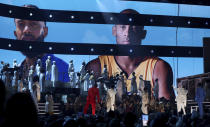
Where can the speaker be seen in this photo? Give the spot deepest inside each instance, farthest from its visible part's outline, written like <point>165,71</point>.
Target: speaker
<point>206,54</point>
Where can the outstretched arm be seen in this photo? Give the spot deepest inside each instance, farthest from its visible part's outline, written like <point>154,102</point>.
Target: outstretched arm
<point>164,74</point>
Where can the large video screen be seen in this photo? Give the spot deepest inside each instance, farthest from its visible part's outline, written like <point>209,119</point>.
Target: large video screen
<point>110,34</point>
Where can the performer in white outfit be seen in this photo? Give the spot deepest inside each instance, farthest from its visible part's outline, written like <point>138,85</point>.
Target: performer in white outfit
<point>30,78</point>
<point>82,69</point>
<point>38,68</point>
<point>39,62</point>
<point>15,64</point>
<point>72,74</point>
<point>82,74</point>
<point>48,67</point>
<point>71,66</point>
<point>42,80</point>
<point>110,98</point>
<point>73,79</point>
<point>121,89</point>
<point>78,81</point>
<point>86,81</point>
<point>92,80</point>
<point>181,99</point>
<point>15,81</point>
<point>49,104</point>
<point>54,74</point>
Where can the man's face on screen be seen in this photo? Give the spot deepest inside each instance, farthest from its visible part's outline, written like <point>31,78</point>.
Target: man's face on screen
<point>30,30</point>
<point>128,34</point>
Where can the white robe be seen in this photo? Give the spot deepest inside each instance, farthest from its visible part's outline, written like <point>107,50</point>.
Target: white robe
<point>15,64</point>
<point>15,80</point>
<point>86,82</point>
<point>38,69</point>
<point>72,76</point>
<point>82,70</point>
<point>181,99</point>
<point>110,99</point>
<point>71,68</point>
<point>42,81</point>
<point>48,68</point>
<point>30,80</point>
<point>49,104</point>
<point>54,74</point>
<point>78,82</point>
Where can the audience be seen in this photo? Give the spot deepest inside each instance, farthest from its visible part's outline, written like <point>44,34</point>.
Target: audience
<point>21,111</point>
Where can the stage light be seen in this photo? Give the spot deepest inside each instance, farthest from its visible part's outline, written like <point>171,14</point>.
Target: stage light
<point>91,17</point>
<point>130,50</point>
<point>152,51</point>
<point>172,52</point>
<point>31,14</point>
<point>72,17</point>
<point>130,19</point>
<point>72,49</point>
<point>207,23</point>
<point>151,20</point>
<point>111,18</point>
<point>50,16</point>
<point>171,21</point>
<point>92,49</point>
<point>111,50</point>
<point>50,48</point>
<point>9,45</point>
<point>30,47</point>
<point>10,11</point>
<point>188,22</point>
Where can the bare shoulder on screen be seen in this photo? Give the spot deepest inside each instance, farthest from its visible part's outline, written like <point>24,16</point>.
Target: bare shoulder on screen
<point>95,66</point>
<point>164,74</point>
<point>162,66</point>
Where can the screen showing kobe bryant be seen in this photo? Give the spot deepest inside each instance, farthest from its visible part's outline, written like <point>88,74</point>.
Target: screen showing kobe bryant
<point>84,71</point>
